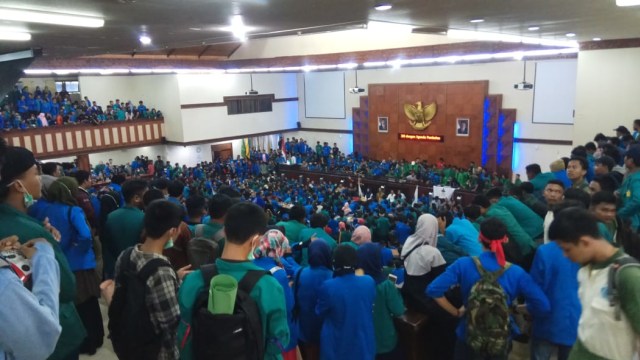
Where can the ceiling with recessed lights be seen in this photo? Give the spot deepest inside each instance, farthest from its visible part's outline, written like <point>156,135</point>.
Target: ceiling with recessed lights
<point>175,24</point>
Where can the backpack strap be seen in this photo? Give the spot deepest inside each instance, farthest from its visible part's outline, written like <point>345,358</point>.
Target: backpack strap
<point>151,267</point>
<point>250,280</point>
<point>274,269</point>
<point>403,258</point>
<point>208,271</point>
<point>483,272</point>
<point>199,230</point>
<point>613,281</point>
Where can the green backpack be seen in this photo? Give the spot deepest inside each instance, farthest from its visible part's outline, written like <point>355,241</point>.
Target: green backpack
<point>488,314</point>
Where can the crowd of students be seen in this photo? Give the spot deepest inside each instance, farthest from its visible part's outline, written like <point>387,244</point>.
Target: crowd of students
<point>23,110</point>
<point>323,268</point>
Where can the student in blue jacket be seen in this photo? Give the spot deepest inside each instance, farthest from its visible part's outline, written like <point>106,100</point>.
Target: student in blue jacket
<point>558,278</point>
<point>76,242</point>
<point>345,303</point>
<point>515,282</point>
<point>306,284</point>
<point>268,255</point>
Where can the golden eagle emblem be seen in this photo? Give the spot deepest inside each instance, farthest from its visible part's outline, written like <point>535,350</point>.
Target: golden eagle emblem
<point>420,117</point>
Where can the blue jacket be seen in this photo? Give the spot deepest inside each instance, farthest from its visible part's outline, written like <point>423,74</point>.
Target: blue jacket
<point>558,278</point>
<point>402,232</point>
<point>463,234</point>
<point>562,176</point>
<point>279,274</point>
<point>515,282</point>
<point>76,241</point>
<point>309,324</point>
<point>345,303</point>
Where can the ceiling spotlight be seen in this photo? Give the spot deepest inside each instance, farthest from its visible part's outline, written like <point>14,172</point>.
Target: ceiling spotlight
<point>597,39</point>
<point>627,2</point>
<point>238,28</point>
<point>533,28</point>
<point>145,40</point>
<point>383,6</point>
<point>47,17</point>
<point>476,20</point>
<point>571,34</point>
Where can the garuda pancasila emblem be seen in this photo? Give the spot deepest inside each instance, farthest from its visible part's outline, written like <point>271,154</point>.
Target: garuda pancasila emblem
<point>420,117</point>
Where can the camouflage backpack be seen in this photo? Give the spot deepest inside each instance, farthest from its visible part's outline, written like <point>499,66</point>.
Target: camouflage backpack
<point>488,314</point>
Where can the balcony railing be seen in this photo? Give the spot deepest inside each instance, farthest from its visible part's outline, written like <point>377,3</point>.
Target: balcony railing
<point>70,140</point>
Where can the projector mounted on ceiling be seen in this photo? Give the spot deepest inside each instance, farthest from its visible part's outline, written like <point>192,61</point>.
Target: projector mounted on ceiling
<point>251,92</point>
<point>356,89</point>
<point>524,85</point>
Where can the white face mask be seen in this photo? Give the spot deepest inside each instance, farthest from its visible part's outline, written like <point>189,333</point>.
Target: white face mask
<point>27,197</point>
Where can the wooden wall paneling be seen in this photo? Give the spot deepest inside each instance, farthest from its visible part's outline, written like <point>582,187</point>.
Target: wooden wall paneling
<point>123,135</point>
<point>493,110</point>
<point>59,142</point>
<point>97,138</point>
<point>106,138</point>
<point>27,143</point>
<point>39,145</point>
<point>132,133</point>
<point>140,134</point>
<point>156,132</point>
<point>505,153</point>
<point>87,138</point>
<point>115,135</point>
<point>79,142</point>
<point>148,132</point>
<point>68,140</point>
<point>453,99</point>
<point>50,145</point>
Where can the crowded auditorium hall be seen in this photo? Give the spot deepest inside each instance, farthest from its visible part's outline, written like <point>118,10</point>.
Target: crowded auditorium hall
<point>319,180</point>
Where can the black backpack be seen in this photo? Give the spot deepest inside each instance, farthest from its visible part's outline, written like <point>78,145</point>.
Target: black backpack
<point>131,330</point>
<point>229,337</point>
<point>109,200</point>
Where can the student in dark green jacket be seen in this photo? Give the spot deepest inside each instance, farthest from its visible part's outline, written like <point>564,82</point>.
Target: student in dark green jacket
<point>388,303</point>
<point>629,192</point>
<point>123,228</point>
<point>530,222</point>
<point>538,179</point>
<point>520,248</point>
<point>19,187</point>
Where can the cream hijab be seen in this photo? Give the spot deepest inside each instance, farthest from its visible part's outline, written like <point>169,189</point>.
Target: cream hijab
<point>425,239</point>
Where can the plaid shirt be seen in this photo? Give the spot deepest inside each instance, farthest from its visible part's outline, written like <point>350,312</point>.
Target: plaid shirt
<point>162,301</point>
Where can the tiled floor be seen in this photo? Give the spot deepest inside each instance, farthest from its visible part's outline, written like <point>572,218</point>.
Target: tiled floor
<point>519,352</point>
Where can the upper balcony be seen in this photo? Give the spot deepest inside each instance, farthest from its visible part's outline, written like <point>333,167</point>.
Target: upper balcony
<point>71,140</point>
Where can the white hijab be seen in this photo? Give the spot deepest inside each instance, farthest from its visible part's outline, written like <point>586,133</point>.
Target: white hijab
<point>426,256</point>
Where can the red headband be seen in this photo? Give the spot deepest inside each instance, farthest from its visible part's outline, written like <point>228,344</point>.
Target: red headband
<point>495,245</point>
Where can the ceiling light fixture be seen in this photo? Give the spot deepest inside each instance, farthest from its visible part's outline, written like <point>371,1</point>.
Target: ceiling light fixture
<point>383,7</point>
<point>145,40</point>
<point>14,36</point>
<point>389,27</point>
<point>476,20</point>
<point>488,36</point>
<point>533,28</point>
<point>597,39</point>
<point>54,18</point>
<point>571,34</point>
<point>238,28</point>
<point>627,2</point>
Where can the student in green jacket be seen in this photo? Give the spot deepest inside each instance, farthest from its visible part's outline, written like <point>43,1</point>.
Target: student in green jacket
<point>123,228</point>
<point>244,224</point>
<point>388,303</point>
<point>214,228</point>
<point>629,192</point>
<point>520,248</point>
<point>538,178</point>
<point>19,187</point>
<point>530,222</point>
<point>294,226</point>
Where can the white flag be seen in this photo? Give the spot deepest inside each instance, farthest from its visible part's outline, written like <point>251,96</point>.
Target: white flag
<point>360,194</point>
<point>415,196</point>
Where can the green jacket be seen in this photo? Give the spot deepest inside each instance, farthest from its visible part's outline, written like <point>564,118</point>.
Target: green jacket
<point>530,222</point>
<point>541,180</point>
<point>123,230</point>
<point>292,229</point>
<point>630,196</point>
<point>209,231</point>
<point>267,293</point>
<point>14,222</point>
<point>515,231</point>
<point>388,305</point>
<point>306,234</point>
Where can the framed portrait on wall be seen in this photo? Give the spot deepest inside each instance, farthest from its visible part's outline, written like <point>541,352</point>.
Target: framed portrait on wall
<point>462,127</point>
<point>383,124</point>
